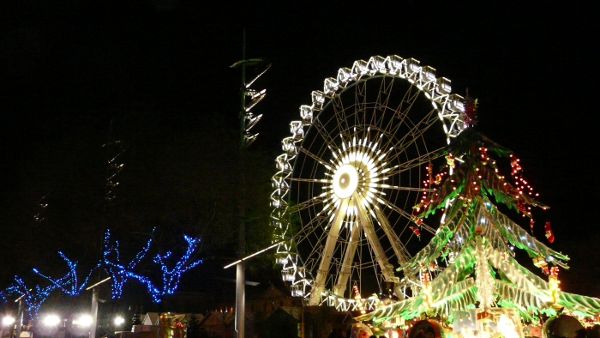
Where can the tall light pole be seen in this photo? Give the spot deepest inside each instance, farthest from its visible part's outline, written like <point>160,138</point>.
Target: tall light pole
<point>19,319</point>
<point>94,311</point>
<point>94,306</point>
<point>248,99</point>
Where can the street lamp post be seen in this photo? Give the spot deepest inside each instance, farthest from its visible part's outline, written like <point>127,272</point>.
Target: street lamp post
<point>19,321</point>
<point>94,313</point>
<point>94,307</point>
<point>240,306</point>
<point>248,99</point>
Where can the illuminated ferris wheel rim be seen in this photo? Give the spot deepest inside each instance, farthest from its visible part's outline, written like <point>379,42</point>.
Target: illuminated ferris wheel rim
<point>344,182</point>
<point>437,90</point>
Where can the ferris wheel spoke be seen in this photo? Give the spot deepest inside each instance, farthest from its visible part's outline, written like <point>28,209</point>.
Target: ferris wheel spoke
<point>385,90</point>
<point>322,131</point>
<point>360,103</point>
<point>419,129</point>
<point>428,228</point>
<point>399,188</point>
<point>401,112</point>
<point>312,235</point>
<point>381,102</point>
<point>405,214</point>
<point>304,234</point>
<point>310,180</point>
<point>416,162</point>
<point>416,131</point>
<point>338,110</point>
<point>408,99</point>
<point>306,204</point>
<point>327,255</point>
<point>345,270</point>
<point>314,157</point>
<point>316,247</point>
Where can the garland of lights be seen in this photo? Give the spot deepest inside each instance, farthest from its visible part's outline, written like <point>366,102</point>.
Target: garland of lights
<point>477,174</point>
<point>467,192</point>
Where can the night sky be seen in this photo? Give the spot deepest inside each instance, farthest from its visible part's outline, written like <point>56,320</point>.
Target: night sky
<point>156,75</point>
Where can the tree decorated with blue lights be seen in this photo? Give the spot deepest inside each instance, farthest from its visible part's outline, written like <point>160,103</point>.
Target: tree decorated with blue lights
<point>33,297</point>
<point>171,271</point>
<point>121,273</point>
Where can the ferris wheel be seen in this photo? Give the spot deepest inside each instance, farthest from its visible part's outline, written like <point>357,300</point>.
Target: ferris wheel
<point>351,170</point>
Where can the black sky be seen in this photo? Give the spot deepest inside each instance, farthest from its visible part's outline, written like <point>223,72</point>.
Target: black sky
<point>161,68</point>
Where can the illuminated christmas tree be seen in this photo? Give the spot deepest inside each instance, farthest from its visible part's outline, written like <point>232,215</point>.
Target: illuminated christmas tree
<point>470,263</point>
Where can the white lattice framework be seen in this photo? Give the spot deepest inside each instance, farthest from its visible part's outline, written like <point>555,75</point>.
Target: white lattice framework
<point>358,153</point>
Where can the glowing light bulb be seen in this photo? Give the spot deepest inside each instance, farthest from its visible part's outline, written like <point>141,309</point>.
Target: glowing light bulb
<point>8,320</point>
<point>118,320</point>
<point>51,320</point>
<point>84,320</point>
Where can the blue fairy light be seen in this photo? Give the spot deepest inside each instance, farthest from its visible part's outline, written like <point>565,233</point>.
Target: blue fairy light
<point>34,297</point>
<point>69,283</point>
<point>119,272</point>
<point>172,276</point>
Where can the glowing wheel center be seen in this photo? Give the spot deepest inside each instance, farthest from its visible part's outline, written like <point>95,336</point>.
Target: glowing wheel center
<point>345,181</point>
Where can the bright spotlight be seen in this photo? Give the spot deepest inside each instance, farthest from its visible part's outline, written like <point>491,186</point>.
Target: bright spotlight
<point>8,320</point>
<point>83,320</point>
<point>119,320</point>
<point>51,320</point>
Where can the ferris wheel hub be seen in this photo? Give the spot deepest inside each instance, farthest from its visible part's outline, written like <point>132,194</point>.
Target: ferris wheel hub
<point>345,181</point>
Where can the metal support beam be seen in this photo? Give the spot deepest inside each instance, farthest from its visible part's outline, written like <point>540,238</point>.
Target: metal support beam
<point>94,313</point>
<point>19,322</point>
<point>240,300</point>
